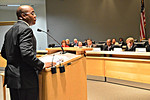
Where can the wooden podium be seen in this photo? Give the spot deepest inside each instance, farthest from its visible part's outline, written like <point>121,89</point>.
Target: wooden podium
<point>2,61</point>
<point>69,85</point>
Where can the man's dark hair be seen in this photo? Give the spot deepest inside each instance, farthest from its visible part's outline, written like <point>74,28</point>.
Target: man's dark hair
<point>89,39</point>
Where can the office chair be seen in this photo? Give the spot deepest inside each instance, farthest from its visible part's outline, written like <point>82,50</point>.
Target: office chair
<point>51,45</point>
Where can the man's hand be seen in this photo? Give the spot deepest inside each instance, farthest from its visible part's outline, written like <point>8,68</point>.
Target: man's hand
<point>49,64</point>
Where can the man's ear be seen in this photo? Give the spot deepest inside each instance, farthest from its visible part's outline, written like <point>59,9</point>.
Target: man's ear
<point>23,16</point>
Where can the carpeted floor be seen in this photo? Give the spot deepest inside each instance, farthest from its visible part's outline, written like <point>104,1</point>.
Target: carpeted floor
<point>97,90</point>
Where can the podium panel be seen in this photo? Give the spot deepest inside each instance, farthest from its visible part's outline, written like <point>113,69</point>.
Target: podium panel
<point>95,66</point>
<point>137,71</point>
<point>69,85</point>
<point>2,61</point>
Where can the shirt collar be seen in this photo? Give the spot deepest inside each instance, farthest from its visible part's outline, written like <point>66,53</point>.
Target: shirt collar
<point>24,22</point>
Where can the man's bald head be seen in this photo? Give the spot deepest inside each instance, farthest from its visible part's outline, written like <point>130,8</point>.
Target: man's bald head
<point>22,9</point>
<point>108,42</point>
<point>27,14</point>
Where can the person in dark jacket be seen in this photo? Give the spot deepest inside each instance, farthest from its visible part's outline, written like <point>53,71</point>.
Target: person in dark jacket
<point>89,43</point>
<point>121,41</point>
<point>75,42</point>
<point>19,49</point>
<point>108,47</point>
<point>148,46</point>
<point>68,42</point>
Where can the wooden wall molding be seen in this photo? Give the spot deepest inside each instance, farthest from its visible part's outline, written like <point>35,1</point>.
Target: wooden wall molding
<point>4,23</point>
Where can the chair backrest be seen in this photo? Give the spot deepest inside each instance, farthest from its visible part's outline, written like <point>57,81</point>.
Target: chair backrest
<point>140,44</point>
<point>117,46</point>
<point>51,45</point>
<point>100,46</point>
<point>102,42</point>
<point>93,42</point>
<point>83,44</point>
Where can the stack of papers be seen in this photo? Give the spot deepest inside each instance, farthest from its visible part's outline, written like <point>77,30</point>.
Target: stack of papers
<point>58,58</point>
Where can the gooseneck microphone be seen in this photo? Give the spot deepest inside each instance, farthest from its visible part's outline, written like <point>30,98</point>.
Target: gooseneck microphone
<point>39,30</point>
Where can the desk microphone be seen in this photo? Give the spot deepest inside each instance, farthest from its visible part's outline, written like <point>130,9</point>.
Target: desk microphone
<point>39,30</point>
<point>53,68</point>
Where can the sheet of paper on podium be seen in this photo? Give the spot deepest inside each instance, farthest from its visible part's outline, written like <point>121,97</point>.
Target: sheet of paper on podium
<point>58,57</point>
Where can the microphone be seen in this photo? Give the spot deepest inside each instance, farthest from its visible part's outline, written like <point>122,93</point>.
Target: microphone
<point>39,30</point>
<point>53,68</point>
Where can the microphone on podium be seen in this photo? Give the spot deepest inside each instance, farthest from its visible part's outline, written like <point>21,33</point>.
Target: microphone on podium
<point>39,30</point>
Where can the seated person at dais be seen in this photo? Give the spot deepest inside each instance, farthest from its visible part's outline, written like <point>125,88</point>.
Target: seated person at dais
<point>114,42</point>
<point>68,42</point>
<point>148,46</point>
<point>121,41</point>
<point>89,43</point>
<point>80,44</point>
<point>75,42</point>
<point>130,44</point>
<point>63,44</point>
<point>108,47</point>
<point>84,43</point>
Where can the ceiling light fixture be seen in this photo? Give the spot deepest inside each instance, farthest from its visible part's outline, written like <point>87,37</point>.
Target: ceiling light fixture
<point>13,5</point>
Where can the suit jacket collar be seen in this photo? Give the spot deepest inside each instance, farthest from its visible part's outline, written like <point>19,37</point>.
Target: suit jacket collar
<point>24,22</point>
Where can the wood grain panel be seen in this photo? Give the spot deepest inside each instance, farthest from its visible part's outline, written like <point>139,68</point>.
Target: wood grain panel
<point>76,50</point>
<point>131,71</point>
<point>95,66</point>
<point>2,61</point>
<point>70,85</point>
<point>4,23</point>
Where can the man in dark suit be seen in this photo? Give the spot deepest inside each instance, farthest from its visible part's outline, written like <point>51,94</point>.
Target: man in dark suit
<point>148,46</point>
<point>85,43</point>
<point>108,47</point>
<point>19,49</point>
<point>89,43</point>
<point>121,41</point>
<point>75,42</point>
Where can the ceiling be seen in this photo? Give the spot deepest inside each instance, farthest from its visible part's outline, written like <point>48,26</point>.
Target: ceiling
<point>14,2</point>
<point>4,3</point>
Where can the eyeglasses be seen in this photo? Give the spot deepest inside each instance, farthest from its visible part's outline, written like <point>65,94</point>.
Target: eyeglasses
<point>32,13</point>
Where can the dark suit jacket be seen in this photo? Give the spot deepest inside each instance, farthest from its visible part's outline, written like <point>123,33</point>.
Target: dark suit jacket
<point>19,49</point>
<point>105,48</point>
<point>90,46</point>
<point>147,48</point>
<point>122,42</point>
<point>75,44</point>
<point>69,44</point>
<point>132,48</point>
